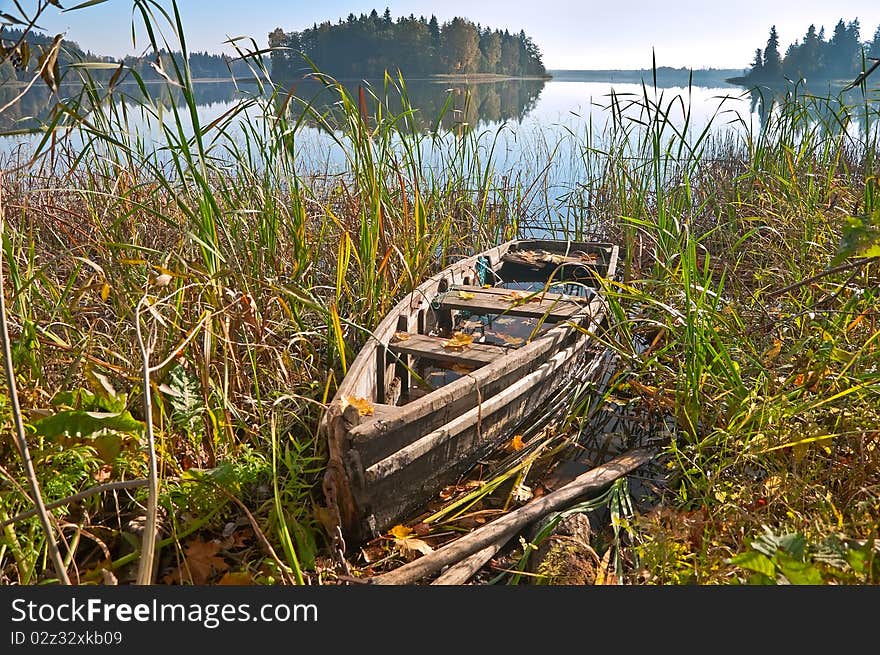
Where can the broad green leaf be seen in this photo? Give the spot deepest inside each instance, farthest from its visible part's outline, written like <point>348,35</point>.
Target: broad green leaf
<point>857,558</point>
<point>796,571</point>
<point>79,424</point>
<point>792,543</point>
<point>86,400</point>
<point>755,561</point>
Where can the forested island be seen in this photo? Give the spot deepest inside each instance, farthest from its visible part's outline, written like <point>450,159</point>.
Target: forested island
<point>814,57</point>
<point>366,46</point>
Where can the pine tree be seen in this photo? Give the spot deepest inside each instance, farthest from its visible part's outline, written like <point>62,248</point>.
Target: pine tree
<point>772,61</point>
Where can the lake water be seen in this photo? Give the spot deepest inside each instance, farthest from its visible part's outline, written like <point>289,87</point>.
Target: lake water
<point>523,110</point>
<point>534,128</point>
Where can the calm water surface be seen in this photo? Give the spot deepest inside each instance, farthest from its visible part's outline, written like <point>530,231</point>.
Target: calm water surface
<point>537,131</point>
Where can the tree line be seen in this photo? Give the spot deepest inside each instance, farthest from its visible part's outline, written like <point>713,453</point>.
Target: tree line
<point>21,67</point>
<point>366,46</point>
<point>815,56</point>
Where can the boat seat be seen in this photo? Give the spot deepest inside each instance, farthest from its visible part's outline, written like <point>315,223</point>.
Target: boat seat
<point>420,345</point>
<point>552,307</point>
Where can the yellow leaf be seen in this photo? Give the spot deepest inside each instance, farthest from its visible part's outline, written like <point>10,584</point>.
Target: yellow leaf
<point>516,444</point>
<point>773,351</point>
<point>466,295</point>
<point>515,297</point>
<point>105,292</point>
<point>511,340</point>
<point>487,286</point>
<point>363,406</point>
<point>400,531</point>
<point>460,368</point>
<point>401,336</point>
<point>237,578</point>
<point>459,340</point>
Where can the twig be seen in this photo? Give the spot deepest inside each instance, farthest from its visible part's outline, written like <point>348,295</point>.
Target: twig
<point>148,542</point>
<point>818,276</point>
<point>23,451</point>
<point>501,530</point>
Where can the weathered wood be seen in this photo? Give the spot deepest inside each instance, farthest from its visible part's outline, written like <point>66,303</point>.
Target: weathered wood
<point>420,345</point>
<point>462,571</point>
<point>502,529</point>
<point>551,311</point>
<point>517,392</point>
<point>353,448</point>
<point>377,439</point>
<point>537,258</point>
<point>566,557</point>
<point>502,292</point>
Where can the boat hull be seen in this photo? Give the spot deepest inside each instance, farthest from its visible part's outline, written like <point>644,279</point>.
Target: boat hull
<point>385,465</point>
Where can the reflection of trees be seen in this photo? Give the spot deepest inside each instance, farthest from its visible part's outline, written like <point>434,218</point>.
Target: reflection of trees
<point>820,109</point>
<point>470,105</point>
<point>34,107</point>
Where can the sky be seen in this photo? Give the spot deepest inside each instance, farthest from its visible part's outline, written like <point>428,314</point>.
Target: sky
<point>571,34</point>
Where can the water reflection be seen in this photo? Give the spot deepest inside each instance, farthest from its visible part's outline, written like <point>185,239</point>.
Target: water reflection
<point>464,106</point>
<point>457,105</point>
<point>824,108</point>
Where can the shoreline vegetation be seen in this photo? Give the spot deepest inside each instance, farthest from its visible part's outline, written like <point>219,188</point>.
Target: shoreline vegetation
<point>178,316</point>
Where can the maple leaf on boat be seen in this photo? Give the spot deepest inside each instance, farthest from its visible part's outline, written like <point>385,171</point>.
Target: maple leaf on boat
<point>459,341</point>
<point>362,405</point>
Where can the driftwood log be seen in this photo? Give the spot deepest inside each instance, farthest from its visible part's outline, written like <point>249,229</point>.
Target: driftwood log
<point>501,530</point>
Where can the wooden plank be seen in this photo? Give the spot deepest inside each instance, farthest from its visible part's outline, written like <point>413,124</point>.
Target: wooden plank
<point>551,311</point>
<point>501,293</point>
<point>420,345</point>
<point>543,258</point>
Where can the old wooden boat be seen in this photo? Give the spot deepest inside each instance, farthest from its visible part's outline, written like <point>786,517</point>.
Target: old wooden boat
<point>451,368</point>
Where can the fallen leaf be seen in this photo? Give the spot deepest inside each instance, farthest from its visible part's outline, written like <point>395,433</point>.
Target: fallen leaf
<point>400,531</point>
<point>236,578</point>
<point>772,352</point>
<point>105,292</point>
<point>522,493</point>
<point>466,295</point>
<point>401,336</point>
<point>202,561</point>
<point>460,368</point>
<point>459,341</point>
<point>103,474</point>
<point>362,405</point>
<point>516,444</point>
<point>411,546</point>
<point>511,340</point>
<point>162,280</point>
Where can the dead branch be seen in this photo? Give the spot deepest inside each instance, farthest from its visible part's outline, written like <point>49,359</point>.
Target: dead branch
<point>501,530</point>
